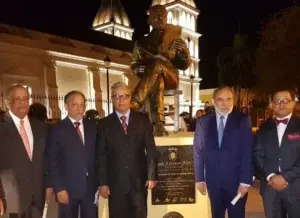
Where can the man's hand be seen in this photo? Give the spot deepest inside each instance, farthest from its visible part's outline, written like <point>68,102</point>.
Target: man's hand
<point>104,191</point>
<point>201,187</point>
<point>63,197</point>
<point>278,183</point>
<point>1,207</point>
<point>49,194</point>
<point>243,190</point>
<point>150,184</point>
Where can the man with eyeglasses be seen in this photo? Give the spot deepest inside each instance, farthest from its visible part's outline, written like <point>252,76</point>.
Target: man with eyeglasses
<point>125,157</point>
<point>71,160</point>
<point>223,156</point>
<point>277,158</point>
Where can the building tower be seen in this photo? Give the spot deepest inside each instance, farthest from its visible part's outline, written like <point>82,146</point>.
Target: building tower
<point>112,19</point>
<point>185,13</point>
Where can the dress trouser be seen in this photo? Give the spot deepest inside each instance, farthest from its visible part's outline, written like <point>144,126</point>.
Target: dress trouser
<point>128,205</point>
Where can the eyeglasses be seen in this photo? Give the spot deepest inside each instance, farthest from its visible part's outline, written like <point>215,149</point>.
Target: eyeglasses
<point>121,97</point>
<point>282,101</point>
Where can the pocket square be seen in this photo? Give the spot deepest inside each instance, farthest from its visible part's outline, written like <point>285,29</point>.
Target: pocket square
<point>294,136</point>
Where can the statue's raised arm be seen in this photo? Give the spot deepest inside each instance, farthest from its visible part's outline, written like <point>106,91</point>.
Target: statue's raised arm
<point>156,60</point>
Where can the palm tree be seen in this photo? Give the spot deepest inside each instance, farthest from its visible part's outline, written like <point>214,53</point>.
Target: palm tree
<point>235,65</point>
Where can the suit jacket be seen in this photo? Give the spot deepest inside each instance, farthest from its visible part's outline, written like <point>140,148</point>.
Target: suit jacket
<point>29,175</point>
<point>72,164</point>
<point>269,156</point>
<point>125,162</point>
<point>229,164</point>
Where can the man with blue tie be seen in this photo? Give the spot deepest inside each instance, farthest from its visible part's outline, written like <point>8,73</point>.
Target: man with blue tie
<point>223,156</point>
<point>71,160</point>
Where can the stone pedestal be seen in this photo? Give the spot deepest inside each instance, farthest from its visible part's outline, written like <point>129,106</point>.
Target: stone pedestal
<point>180,145</point>
<point>175,144</point>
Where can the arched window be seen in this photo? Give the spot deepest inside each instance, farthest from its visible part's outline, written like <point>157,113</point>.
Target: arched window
<point>122,35</point>
<point>128,36</point>
<point>182,19</point>
<point>188,21</point>
<point>117,33</point>
<point>191,47</point>
<point>170,17</point>
<point>192,69</point>
<point>193,21</point>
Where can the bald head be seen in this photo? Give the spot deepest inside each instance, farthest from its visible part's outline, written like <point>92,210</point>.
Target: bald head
<point>17,100</point>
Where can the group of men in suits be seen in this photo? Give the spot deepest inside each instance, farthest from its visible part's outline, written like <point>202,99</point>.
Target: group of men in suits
<point>76,158</point>
<point>225,150</point>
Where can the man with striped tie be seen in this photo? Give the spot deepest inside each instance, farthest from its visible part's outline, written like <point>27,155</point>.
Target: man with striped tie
<point>223,156</point>
<point>71,160</point>
<point>22,163</point>
<point>125,157</point>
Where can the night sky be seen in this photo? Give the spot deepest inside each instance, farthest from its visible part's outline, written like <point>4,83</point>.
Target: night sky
<point>218,21</point>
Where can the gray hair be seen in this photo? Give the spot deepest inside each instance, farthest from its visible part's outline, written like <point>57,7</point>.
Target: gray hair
<point>10,89</point>
<point>119,85</point>
<point>217,90</point>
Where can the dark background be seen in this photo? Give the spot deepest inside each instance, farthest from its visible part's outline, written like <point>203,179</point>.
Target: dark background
<point>218,21</point>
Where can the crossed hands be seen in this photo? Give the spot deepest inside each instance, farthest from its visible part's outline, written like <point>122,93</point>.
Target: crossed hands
<point>278,183</point>
<point>104,191</point>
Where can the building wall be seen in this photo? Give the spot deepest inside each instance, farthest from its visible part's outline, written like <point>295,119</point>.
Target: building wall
<point>49,71</point>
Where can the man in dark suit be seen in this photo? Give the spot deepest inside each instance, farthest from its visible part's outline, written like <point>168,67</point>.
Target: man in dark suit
<point>125,157</point>
<point>277,158</point>
<point>22,147</point>
<point>223,156</point>
<point>71,157</point>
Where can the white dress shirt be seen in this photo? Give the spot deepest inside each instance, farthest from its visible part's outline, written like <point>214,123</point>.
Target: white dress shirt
<point>280,132</point>
<point>127,114</point>
<point>81,127</point>
<point>27,127</point>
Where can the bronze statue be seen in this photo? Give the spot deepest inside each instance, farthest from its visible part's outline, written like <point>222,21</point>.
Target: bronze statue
<point>156,60</point>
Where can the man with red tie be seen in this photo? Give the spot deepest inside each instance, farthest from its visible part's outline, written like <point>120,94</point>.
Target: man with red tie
<point>277,158</point>
<point>71,160</point>
<point>125,157</point>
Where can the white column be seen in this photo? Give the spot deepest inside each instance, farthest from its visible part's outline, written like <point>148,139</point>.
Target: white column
<point>52,90</point>
<point>97,89</point>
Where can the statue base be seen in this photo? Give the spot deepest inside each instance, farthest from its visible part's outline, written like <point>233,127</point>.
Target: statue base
<point>175,195</point>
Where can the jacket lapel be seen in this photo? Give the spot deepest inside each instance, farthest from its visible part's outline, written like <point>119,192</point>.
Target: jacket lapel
<point>117,123</point>
<point>213,134</point>
<point>292,127</point>
<point>15,135</point>
<point>36,144</point>
<point>131,125</point>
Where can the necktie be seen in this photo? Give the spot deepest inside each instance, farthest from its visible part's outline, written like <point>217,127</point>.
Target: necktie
<point>124,124</point>
<point>25,139</point>
<point>221,130</point>
<point>284,121</point>
<point>77,124</point>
